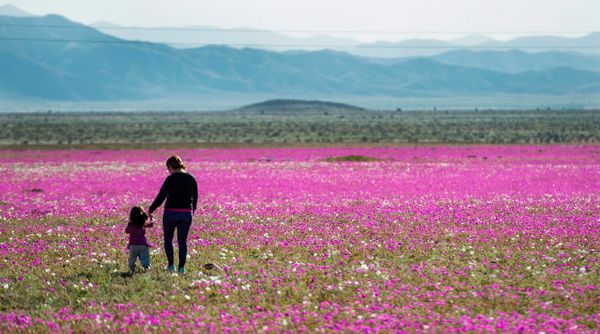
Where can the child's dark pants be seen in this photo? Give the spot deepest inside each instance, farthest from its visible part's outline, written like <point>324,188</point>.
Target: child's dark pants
<point>139,251</point>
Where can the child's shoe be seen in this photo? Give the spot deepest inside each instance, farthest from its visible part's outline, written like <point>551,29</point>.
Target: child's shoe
<point>181,270</point>
<point>171,268</point>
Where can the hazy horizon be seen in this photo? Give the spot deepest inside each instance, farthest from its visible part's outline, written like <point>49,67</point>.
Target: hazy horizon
<point>365,22</point>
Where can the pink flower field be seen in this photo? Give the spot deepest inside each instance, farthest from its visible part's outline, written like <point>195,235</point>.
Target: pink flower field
<point>422,239</point>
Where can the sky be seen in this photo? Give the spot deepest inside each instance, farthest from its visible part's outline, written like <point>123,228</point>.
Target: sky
<point>364,20</point>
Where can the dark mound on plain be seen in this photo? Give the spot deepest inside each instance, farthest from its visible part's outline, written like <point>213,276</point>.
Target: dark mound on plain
<point>352,158</point>
<point>285,105</point>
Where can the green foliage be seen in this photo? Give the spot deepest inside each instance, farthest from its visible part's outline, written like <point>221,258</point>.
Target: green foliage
<point>309,127</point>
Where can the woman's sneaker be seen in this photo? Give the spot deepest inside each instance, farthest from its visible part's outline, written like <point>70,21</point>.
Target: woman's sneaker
<point>171,268</point>
<point>181,270</point>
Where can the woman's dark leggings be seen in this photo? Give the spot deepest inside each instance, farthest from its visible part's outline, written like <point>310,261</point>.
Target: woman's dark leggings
<point>182,222</point>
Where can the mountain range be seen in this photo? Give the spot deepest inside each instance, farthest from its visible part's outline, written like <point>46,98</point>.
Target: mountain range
<point>51,57</point>
<point>588,44</point>
<point>195,36</point>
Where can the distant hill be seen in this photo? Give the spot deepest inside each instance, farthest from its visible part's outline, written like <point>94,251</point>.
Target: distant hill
<point>586,44</point>
<point>285,105</point>
<point>405,48</point>
<point>589,44</point>
<point>196,36</point>
<point>107,69</point>
<point>472,40</point>
<point>10,10</point>
<point>48,60</point>
<point>514,61</point>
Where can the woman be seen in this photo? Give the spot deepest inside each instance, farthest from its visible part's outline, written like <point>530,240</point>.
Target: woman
<point>181,191</point>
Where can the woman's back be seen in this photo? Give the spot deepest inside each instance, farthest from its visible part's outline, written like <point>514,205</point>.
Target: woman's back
<point>181,191</point>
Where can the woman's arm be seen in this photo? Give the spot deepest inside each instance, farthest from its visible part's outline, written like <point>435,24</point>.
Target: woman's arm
<point>195,195</point>
<point>160,198</point>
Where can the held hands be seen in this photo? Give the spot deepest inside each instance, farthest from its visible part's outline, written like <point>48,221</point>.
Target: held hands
<point>150,222</point>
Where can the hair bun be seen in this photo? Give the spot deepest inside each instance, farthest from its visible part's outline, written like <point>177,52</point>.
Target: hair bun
<point>175,162</point>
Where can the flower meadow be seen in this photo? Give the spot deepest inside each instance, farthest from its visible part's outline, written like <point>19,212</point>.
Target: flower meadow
<point>421,239</point>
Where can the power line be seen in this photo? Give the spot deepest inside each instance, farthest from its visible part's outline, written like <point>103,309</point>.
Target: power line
<point>360,46</point>
<point>228,30</point>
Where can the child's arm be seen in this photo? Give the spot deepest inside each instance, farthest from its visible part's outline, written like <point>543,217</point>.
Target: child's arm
<point>129,229</point>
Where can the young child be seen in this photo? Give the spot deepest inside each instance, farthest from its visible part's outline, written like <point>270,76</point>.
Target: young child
<point>138,245</point>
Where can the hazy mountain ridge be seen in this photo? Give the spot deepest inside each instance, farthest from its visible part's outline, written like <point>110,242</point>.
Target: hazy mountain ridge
<point>514,61</point>
<point>10,10</point>
<point>588,44</point>
<point>194,36</point>
<point>113,69</point>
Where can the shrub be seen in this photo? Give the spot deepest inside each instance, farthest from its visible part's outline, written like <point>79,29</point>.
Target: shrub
<point>352,158</point>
